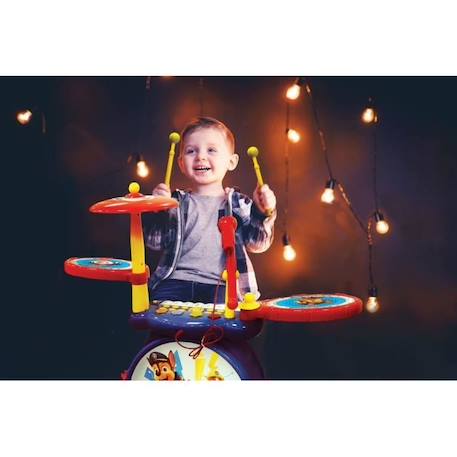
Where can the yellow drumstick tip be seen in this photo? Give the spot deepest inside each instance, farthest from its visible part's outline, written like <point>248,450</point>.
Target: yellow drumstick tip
<point>134,187</point>
<point>174,137</point>
<point>253,151</point>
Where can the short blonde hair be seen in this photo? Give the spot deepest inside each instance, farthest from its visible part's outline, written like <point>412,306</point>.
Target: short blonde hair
<point>207,123</point>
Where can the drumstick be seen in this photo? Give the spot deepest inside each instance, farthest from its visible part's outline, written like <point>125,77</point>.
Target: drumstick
<point>254,152</point>
<point>174,138</point>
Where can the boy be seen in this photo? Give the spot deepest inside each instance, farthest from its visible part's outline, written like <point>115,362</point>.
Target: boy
<point>193,260</point>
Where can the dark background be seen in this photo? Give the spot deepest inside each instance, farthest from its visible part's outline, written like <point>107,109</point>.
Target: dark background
<point>58,327</point>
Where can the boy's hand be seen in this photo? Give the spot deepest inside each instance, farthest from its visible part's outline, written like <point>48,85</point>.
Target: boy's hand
<point>162,190</point>
<point>264,198</point>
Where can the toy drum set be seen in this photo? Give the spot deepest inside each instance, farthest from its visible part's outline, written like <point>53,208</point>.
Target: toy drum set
<point>197,341</point>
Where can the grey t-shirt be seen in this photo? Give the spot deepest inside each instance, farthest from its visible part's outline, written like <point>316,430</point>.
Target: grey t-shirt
<point>202,258</point>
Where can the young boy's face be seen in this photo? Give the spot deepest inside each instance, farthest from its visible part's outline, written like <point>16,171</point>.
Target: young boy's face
<point>207,156</point>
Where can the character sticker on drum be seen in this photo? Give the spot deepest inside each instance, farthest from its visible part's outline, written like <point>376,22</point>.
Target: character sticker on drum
<point>314,301</point>
<point>171,362</point>
<point>103,263</point>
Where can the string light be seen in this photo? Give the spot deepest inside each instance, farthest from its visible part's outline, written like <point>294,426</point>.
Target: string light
<point>369,114</point>
<point>142,169</point>
<point>293,92</point>
<point>328,196</point>
<point>289,253</point>
<point>382,226</point>
<point>24,117</point>
<point>372,304</point>
<point>293,136</point>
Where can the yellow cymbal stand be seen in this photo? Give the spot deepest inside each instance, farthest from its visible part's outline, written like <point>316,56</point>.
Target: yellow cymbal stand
<point>253,152</point>
<point>174,138</point>
<point>140,293</point>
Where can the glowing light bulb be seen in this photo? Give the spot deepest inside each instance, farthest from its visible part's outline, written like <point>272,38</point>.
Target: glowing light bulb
<point>142,169</point>
<point>24,117</point>
<point>372,304</point>
<point>293,135</point>
<point>289,253</point>
<point>382,226</point>
<point>369,116</point>
<point>328,196</point>
<point>293,92</point>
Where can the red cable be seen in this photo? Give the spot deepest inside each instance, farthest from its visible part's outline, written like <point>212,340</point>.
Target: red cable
<point>206,340</point>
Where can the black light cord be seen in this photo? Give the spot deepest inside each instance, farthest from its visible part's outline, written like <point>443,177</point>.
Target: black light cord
<point>375,181</point>
<point>318,126</point>
<point>366,230</point>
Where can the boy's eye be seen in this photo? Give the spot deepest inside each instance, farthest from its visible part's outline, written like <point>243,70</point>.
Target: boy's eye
<point>190,151</point>
<point>212,150</point>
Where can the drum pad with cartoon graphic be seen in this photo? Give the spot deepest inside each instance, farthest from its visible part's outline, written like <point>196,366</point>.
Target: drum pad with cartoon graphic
<point>306,308</point>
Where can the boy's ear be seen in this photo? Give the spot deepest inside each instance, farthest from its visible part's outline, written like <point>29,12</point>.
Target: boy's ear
<point>233,162</point>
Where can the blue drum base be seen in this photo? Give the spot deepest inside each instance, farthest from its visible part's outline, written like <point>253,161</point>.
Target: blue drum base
<point>165,359</point>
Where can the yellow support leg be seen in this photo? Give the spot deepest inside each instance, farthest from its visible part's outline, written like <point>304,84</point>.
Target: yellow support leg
<point>140,293</point>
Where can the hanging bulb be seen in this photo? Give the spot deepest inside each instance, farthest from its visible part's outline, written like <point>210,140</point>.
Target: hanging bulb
<point>369,115</point>
<point>142,169</point>
<point>382,226</point>
<point>372,304</point>
<point>289,253</point>
<point>293,91</point>
<point>293,135</point>
<point>328,196</point>
<point>24,117</point>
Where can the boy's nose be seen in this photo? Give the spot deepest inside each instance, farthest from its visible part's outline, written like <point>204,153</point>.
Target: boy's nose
<point>202,154</point>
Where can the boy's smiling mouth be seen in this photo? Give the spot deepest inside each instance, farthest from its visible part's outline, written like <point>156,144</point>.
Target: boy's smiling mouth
<point>202,169</point>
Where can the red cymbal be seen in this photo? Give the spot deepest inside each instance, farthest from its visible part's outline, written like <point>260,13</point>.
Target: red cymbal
<point>134,203</point>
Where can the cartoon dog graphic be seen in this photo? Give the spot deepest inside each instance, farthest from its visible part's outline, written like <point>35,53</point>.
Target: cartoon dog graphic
<point>163,367</point>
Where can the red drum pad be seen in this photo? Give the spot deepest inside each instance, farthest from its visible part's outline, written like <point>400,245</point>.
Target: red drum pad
<point>306,308</point>
<point>103,268</point>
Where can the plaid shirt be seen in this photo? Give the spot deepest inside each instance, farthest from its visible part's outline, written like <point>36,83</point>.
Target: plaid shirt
<point>254,233</point>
